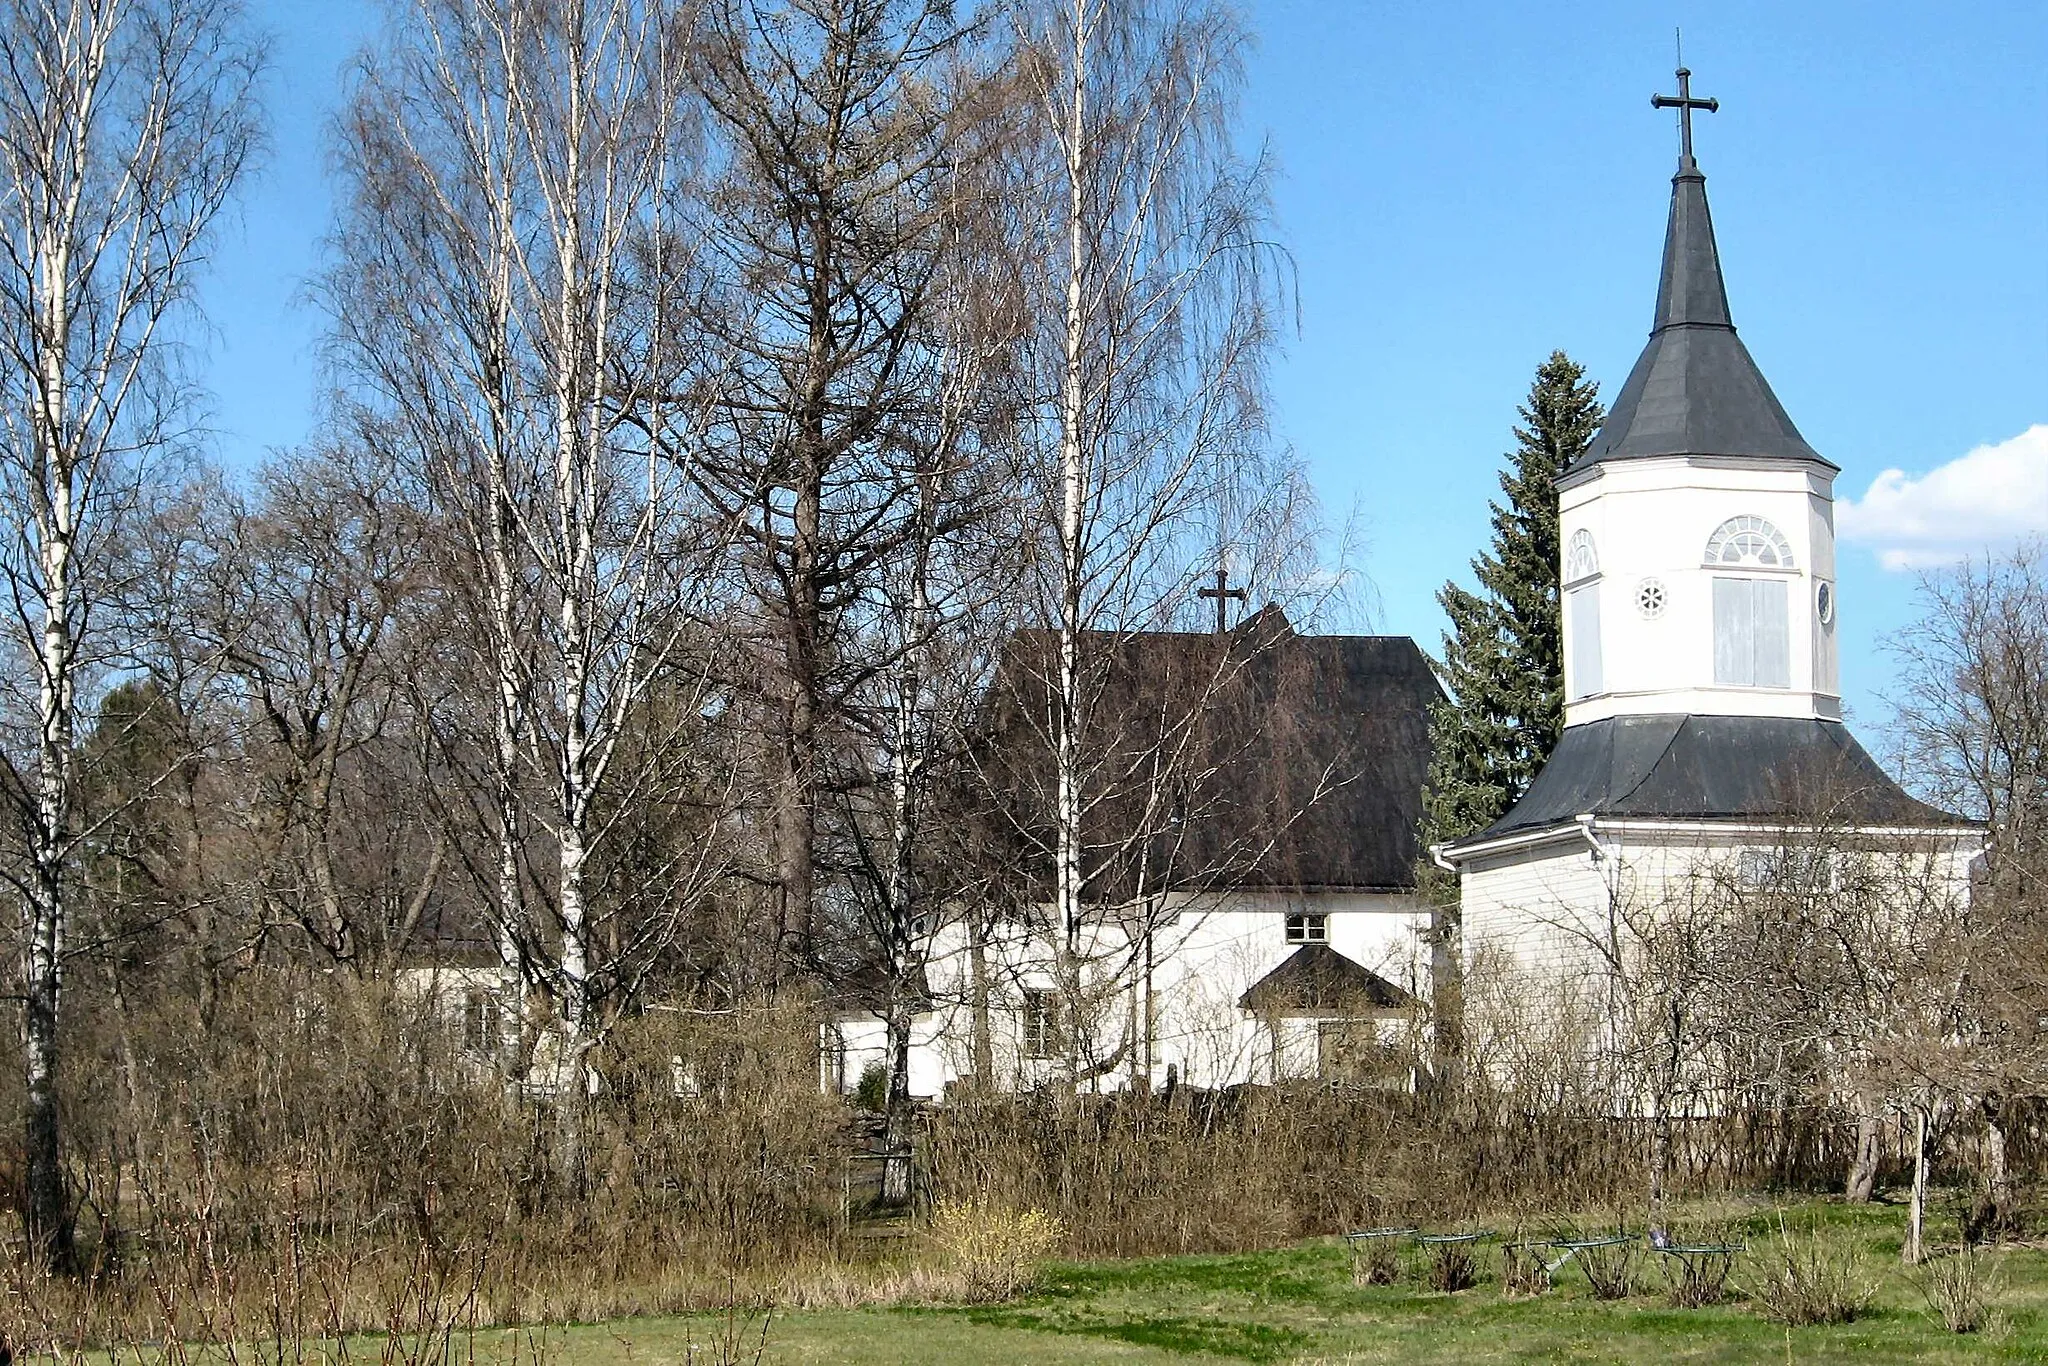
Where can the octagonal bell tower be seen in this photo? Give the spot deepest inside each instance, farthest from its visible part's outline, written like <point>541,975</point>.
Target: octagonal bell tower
<point>1698,529</point>
<point>1702,707</point>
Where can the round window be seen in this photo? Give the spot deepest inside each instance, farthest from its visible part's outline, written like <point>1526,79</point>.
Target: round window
<point>1650,598</point>
<point>1824,603</point>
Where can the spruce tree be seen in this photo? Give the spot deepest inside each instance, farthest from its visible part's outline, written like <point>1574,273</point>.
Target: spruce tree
<point>1503,659</point>
<point>1503,665</point>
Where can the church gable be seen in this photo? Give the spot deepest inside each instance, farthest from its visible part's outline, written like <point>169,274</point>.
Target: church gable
<point>1317,982</point>
<point>1258,758</point>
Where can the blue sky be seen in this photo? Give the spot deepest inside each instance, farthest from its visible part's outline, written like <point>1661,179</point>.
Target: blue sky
<point>1466,186</point>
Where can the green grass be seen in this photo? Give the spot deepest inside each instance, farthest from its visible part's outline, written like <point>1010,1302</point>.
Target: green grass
<point>1297,1305</point>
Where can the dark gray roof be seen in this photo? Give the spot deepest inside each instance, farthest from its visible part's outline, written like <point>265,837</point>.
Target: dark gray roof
<point>1681,767</point>
<point>1695,390</point>
<point>1291,761</point>
<point>1318,980</point>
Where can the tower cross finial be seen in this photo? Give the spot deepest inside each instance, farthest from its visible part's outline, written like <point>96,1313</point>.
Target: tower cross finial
<point>1684,103</point>
<point>1223,593</point>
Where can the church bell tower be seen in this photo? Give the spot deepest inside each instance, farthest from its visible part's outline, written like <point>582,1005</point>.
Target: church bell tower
<point>1698,530</point>
<point>1702,705</point>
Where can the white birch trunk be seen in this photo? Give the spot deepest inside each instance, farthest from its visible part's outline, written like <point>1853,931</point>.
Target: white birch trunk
<point>1916,1212</point>
<point>506,728</point>
<point>902,949</point>
<point>576,433</point>
<point>53,507</point>
<point>105,213</point>
<point>50,834</point>
<point>1067,703</point>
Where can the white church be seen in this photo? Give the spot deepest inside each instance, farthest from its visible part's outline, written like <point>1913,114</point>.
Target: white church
<point>1703,723</point>
<point>1249,859</point>
<point>1703,714</point>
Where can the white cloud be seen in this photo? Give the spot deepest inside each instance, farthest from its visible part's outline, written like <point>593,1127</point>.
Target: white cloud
<point>1987,499</point>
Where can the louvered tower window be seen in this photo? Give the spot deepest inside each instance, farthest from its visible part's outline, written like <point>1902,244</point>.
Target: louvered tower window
<point>1752,616</point>
<point>1582,614</point>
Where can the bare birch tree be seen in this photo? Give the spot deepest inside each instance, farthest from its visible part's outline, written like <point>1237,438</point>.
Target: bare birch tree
<point>533,159</point>
<point>125,126</point>
<point>1150,290</point>
<point>1972,727</point>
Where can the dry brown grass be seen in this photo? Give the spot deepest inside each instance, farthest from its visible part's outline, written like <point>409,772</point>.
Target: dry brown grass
<point>321,1159</point>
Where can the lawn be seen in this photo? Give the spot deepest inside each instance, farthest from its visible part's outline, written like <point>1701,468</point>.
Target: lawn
<point>1298,1305</point>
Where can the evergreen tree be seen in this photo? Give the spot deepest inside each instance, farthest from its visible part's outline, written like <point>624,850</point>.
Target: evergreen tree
<point>1503,660</point>
<point>1503,666</point>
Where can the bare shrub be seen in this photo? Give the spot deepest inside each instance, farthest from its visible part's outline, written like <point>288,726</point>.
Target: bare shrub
<point>326,1133</point>
<point>996,1250</point>
<point>1523,1271</point>
<point>1960,1288</point>
<point>1450,1267</point>
<point>423,1309</point>
<point>737,1340</point>
<point>1375,1260</point>
<point>1611,1270</point>
<point>1806,1278</point>
<point>1254,1166</point>
<point>1693,1280</point>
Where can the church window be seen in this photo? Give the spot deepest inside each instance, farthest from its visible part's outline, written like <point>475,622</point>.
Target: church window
<point>1582,630</point>
<point>1581,561</point>
<point>1582,614</point>
<point>1758,869</point>
<point>1824,602</point>
<point>1795,871</point>
<point>1307,928</point>
<point>1749,541</point>
<point>1752,635</point>
<point>1651,598</point>
<point>481,1026</point>
<point>1041,1033</point>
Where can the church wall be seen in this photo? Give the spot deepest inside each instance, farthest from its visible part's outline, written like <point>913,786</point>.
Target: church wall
<point>1650,519</point>
<point>1535,907</point>
<point>1540,905</point>
<point>1546,926</point>
<point>1220,946</point>
<point>1203,961</point>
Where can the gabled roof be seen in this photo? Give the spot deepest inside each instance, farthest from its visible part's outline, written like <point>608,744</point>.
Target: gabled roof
<point>1734,768</point>
<point>1258,758</point>
<point>1695,390</point>
<point>1316,980</point>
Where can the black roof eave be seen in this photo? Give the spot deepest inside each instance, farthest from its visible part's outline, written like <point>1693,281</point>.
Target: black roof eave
<point>1584,470</point>
<point>1682,769</point>
<point>1483,844</point>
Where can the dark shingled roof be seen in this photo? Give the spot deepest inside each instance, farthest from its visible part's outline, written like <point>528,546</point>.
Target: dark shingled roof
<point>1318,980</point>
<point>1757,768</point>
<point>1695,390</point>
<point>1260,758</point>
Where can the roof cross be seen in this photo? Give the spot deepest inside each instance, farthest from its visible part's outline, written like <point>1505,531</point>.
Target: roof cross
<point>1684,103</point>
<point>1222,592</point>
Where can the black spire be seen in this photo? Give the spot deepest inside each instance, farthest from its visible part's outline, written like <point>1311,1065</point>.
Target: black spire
<point>1694,390</point>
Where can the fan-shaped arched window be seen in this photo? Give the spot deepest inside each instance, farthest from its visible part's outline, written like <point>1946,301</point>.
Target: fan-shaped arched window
<point>1581,561</point>
<point>1581,616</point>
<point>1749,541</point>
<point>1752,627</point>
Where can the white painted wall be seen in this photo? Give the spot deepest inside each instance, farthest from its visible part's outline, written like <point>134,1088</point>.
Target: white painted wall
<point>1652,518</point>
<point>1203,961</point>
<point>1534,906</point>
<point>1542,905</point>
